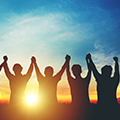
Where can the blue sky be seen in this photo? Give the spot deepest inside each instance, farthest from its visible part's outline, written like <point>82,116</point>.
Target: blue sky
<point>50,29</point>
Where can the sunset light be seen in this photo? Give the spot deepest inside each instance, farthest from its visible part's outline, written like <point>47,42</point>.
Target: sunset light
<point>59,59</point>
<point>31,99</point>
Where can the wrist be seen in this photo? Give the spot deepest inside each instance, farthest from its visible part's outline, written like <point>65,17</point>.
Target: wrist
<point>67,60</point>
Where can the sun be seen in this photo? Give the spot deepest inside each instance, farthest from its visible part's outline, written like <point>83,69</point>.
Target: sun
<point>31,99</point>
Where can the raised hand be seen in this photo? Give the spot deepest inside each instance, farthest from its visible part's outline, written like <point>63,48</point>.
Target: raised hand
<point>5,58</point>
<point>88,56</point>
<point>33,59</point>
<point>67,57</point>
<point>115,58</point>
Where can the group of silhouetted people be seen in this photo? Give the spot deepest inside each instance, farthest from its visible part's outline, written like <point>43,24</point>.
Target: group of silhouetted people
<point>80,108</point>
<point>106,85</point>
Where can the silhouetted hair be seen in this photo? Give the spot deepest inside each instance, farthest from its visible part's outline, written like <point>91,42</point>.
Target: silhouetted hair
<point>48,71</point>
<point>17,68</point>
<point>107,70</point>
<point>76,69</point>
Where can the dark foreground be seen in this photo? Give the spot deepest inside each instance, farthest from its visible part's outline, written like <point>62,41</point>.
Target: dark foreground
<point>59,112</point>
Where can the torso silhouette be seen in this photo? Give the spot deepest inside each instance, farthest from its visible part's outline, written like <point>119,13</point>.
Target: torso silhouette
<point>79,90</point>
<point>106,87</point>
<point>78,85</point>
<point>48,89</point>
<point>17,86</point>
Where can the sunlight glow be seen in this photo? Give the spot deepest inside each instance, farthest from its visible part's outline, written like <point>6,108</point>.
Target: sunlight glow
<point>31,99</point>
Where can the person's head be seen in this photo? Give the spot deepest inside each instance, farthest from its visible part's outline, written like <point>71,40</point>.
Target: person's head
<point>106,70</point>
<point>48,71</point>
<point>17,68</point>
<point>76,69</point>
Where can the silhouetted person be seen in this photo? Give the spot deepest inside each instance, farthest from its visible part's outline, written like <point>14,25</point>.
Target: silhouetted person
<point>48,83</point>
<point>106,85</point>
<point>78,85</point>
<point>18,81</point>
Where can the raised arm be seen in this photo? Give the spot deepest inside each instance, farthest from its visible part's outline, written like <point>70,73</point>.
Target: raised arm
<point>116,74</point>
<point>38,73</point>
<point>59,74</point>
<point>93,67</point>
<point>29,72</point>
<point>69,77</point>
<point>6,69</point>
<point>89,69</point>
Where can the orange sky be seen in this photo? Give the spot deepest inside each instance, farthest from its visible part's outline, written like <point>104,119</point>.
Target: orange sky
<point>63,91</point>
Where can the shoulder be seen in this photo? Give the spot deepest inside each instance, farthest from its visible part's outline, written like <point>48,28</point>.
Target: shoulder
<point>12,77</point>
<point>56,77</point>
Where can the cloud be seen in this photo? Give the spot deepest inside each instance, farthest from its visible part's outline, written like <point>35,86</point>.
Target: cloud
<point>35,32</point>
<point>29,30</point>
<point>103,54</point>
<point>42,35</point>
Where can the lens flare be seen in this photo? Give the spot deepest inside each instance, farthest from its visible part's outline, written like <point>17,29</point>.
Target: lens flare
<point>31,99</point>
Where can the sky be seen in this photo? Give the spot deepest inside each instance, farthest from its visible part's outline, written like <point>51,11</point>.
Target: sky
<point>50,29</point>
